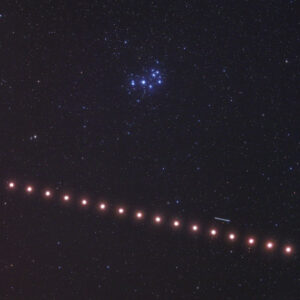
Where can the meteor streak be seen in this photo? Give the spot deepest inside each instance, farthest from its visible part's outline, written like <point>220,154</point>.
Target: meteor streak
<point>222,220</point>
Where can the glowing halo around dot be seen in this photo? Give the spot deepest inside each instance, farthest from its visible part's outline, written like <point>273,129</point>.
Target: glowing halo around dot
<point>121,211</point>
<point>251,241</point>
<point>194,228</point>
<point>269,245</point>
<point>47,193</point>
<point>213,232</point>
<point>84,202</point>
<point>66,197</point>
<point>139,215</point>
<point>157,219</point>
<point>232,236</point>
<point>11,185</point>
<point>102,206</point>
<point>176,223</point>
<point>29,189</point>
<point>288,249</point>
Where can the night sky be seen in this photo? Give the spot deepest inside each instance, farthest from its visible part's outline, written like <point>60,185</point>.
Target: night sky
<point>186,109</point>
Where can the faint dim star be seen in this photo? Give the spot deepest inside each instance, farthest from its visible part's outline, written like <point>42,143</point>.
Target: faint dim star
<point>33,137</point>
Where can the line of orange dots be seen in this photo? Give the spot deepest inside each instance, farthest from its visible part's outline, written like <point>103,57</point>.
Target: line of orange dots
<point>157,219</point>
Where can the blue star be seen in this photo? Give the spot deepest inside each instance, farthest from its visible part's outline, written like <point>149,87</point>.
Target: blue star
<point>150,86</point>
<point>159,81</point>
<point>132,83</point>
<point>143,82</point>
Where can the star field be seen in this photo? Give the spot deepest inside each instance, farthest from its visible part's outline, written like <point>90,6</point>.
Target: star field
<point>176,112</point>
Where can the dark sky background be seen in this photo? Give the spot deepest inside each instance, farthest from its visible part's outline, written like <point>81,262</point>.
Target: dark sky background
<point>218,137</point>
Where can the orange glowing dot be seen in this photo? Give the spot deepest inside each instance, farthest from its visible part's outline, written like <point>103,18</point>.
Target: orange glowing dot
<point>213,232</point>
<point>102,206</point>
<point>139,215</point>
<point>195,228</point>
<point>66,197</point>
<point>270,245</point>
<point>232,236</point>
<point>11,185</point>
<point>84,202</point>
<point>29,189</point>
<point>251,241</point>
<point>176,223</point>
<point>47,193</point>
<point>157,219</point>
<point>121,211</point>
<point>288,249</point>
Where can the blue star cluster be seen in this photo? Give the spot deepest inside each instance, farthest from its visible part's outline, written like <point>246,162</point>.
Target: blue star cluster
<point>151,80</point>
